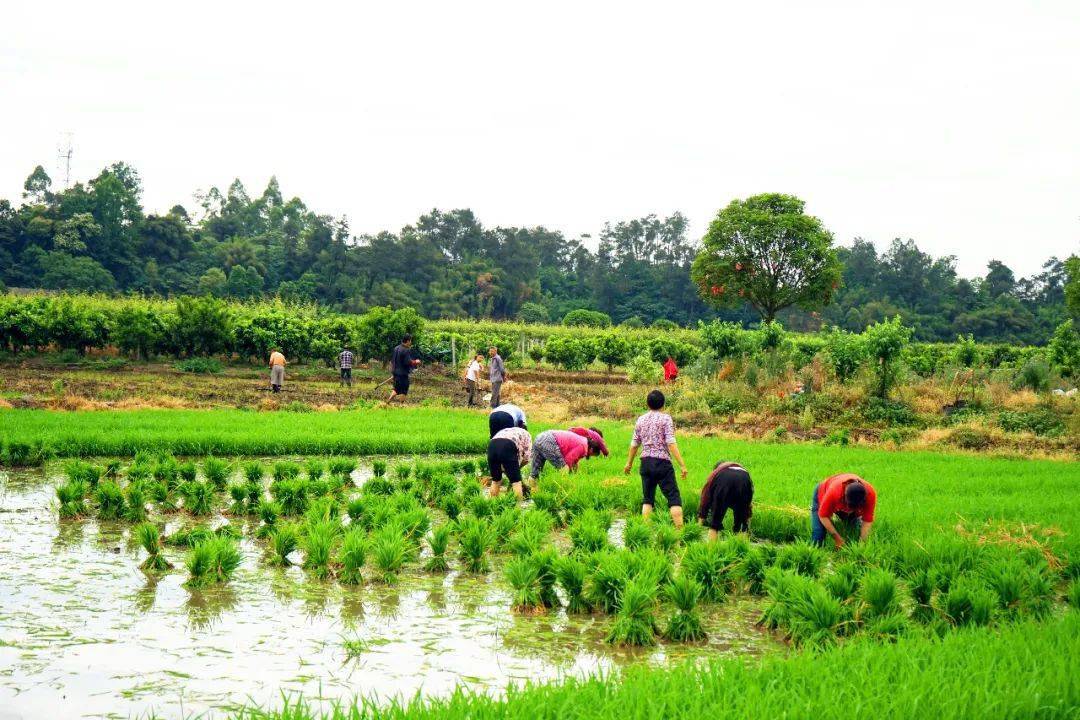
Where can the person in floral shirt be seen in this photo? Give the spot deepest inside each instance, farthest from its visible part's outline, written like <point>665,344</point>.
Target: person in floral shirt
<point>508,452</point>
<point>654,439</point>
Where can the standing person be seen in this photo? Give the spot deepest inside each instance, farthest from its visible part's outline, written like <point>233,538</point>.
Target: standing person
<point>561,448</point>
<point>507,415</point>
<point>508,452</point>
<point>671,370</point>
<point>728,486</point>
<point>847,496</point>
<point>472,377</point>
<point>345,363</point>
<point>402,363</point>
<point>277,370</point>
<point>654,433</point>
<point>496,374</point>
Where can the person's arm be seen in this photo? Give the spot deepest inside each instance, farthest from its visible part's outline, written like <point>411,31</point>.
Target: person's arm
<point>630,460</point>
<point>827,523</point>
<point>673,448</point>
<point>865,531</point>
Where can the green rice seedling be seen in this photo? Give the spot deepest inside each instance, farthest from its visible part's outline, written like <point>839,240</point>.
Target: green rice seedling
<point>112,469</point>
<point>424,472</point>
<point>402,472</point>
<point>523,576</point>
<point>167,470</point>
<point>691,533</point>
<point>321,509</point>
<point>635,622</point>
<point>315,468</point>
<point>571,574</point>
<point>587,533</point>
<point>212,562</point>
<point>319,538</point>
<point>284,539</point>
<point>538,520</point>
<point>285,470</point>
<point>442,486</point>
<point>685,623</point>
<point>782,587</point>
<point>228,531</point>
<point>268,512</point>
<point>356,508</point>
<point>187,471</point>
<point>138,473</point>
<point>817,618</point>
<point>636,533</point>
<point>888,627</point>
<point>84,472</point>
<point>110,500</point>
<point>354,648</point>
<point>15,453</point>
<point>480,506</point>
<point>254,491</point>
<point>189,537</point>
<point>706,565</point>
<point>751,570</point>
<point>254,472</point>
<point>451,505</point>
<point>378,486</point>
<point>843,581</point>
<point>544,560</point>
<point>607,581</point>
<point>149,537</point>
<point>291,495</point>
<point>525,541</point>
<point>503,524</point>
<point>198,497</point>
<point>415,523</point>
<point>389,551</point>
<point>238,493</point>
<point>921,586</point>
<point>1040,593</point>
<point>650,563</point>
<point>72,494</point>
<point>802,557</point>
<point>161,497</point>
<point>341,467</point>
<point>778,525</point>
<point>665,537</point>
<point>217,472</point>
<point>1008,580</point>
<point>134,503</point>
<point>475,539</point>
<point>879,595</point>
<point>468,467</point>
<point>438,541</point>
<point>549,502</point>
<point>378,468</point>
<point>352,556</point>
<point>968,603</point>
<point>469,489</point>
<point>1072,595</point>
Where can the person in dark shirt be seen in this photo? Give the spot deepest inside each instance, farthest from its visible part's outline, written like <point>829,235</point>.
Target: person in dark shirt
<point>402,362</point>
<point>728,486</point>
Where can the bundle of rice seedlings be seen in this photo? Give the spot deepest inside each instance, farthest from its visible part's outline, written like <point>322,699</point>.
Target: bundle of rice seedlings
<point>217,472</point>
<point>441,487</point>
<point>650,563</point>
<point>110,500</point>
<point>238,493</point>
<point>475,539</point>
<point>187,471</point>
<point>198,497</point>
<point>635,623</point>
<point>161,497</point>
<point>636,533</point>
<point>525,541</point>
<point>607,581</point>
<point>451,505</point>
<point>84,472</point>
<point>319,537</point>
<point>468,467</point>
<point>254,491</point>
<point>167,470</point>
<point>922,585</point>
<point>439,541</point>
<point>504,523</point>
<point>843,581</point>
<point>228,531</point>
<point>1008,578</point>
<point>356,508</point>
<point>415,524</point>
<point>782,587</point>
<point>378,486</point>
<point>751,570</point>
<point>523,576</point>
<point>571,574</point>
<point>1040,598</point>
<point>665,537</point>
<point>112,469</point>
<point>212,561</point>
<point>389,551</point>
<point>254,472</point>
<point>588,534</point>
<point>685,624</point>
<point>353,554</point>
<point>291,495</point>
<point>801,557</point>
<point>134,503</point>
<point>378,468</point>
<point>705,564</point>
<point>14,453</point>
<point>149,537</point>
<point>888,627</point>
<point>544,560</point>
<point>480,506</point>
<point>323,508</point>
<point>879,594</point>
<point>71,495</point>
<point>402,472</point>
<point>691,533</point>
<point>778,525</point>
<point>424,472</point>
<point>285,470</point>
<point>549,502</point>
<point>470,488</point>
<point>817,618</point>
<point>268,512</point>
<point>968,603</point>
<point>138,473</point>
<point>284,539</point>
<point>315,468</point>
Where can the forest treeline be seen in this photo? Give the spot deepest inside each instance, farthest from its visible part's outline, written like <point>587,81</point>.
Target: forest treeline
<point>97,237</point>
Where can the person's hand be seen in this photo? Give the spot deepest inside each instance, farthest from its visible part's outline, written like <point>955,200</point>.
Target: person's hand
<point>627,468</point>
<point>683,472</point>
<point>838,541</point>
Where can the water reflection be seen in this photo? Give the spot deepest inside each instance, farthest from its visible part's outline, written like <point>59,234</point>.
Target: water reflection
<point>205,606</point>
<point>146,596</point>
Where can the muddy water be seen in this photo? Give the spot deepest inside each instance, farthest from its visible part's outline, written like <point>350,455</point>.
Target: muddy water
<point>85,633</point>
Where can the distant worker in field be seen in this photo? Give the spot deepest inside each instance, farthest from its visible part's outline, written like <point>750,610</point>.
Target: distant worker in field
<point>496,375</point>
<point>671,370</point>
<point>402,363</point>
<point>345,363</point>
<point>594,434</point>
<point>849,498</point>
<point>277,370</point>
<point>561,448</point>
<point>472,377</point>
<point>654,434</point>
<point>508,452</point>
<point>728,487</point>
<point>507,415</point>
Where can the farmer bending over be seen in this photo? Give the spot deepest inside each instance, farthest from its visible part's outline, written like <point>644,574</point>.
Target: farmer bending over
<point>508,452</point>
<point>847,496</point>
<point>402,363</point>
<point>277,370</point>
<point>654,433</point>
<point>594,434</point>
<point>505,416</point>
<point>728,486</point>
<point>561,448</point>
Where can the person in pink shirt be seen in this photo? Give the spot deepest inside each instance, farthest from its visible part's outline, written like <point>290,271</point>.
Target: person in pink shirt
<point>593,433</point>
<point>563,449</point>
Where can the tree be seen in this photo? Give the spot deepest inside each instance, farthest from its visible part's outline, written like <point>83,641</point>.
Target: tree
<point>1072,287</point>
<point>213,282</point>
<point>1065,349</point>
<point>587,318</point>
<point>36,187</point>
<point>612,349</point>
<point>767,252</point>
<point>531,312</point>
<point>60,271</point>
<point>846,352</point>
<point>884,343</point>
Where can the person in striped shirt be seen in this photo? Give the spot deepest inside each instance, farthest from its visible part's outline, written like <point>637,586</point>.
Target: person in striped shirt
<point>345,363</point>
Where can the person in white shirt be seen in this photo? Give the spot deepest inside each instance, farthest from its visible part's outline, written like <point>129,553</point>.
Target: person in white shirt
<point>505,416</point>
<point>472,377</point>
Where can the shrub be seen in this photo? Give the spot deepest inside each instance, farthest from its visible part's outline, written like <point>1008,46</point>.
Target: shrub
<point>970,438</point>
<point>199,365</point>
<point>612,349</point>
<point>1064,349</point>
<point>531,312</point>
<point>685,624</point>
<point>884,343</point>
<point>724,339</point>
<point>1034,375</point>
<point>642,369</point>
<point>586,318</point>
<point>635,623</point>
<point>1040,422</point>
<point>838,437</point>
<point>846,352</point>
<point>889,412</point>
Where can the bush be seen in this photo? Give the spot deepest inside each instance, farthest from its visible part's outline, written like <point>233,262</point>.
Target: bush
<point>203,326</point>
<point>889,412</point>
<point>1064,349</point>
<point>612,349</point>
<point>198,365</point>
<point>1040,422</point>
<point>884,343</point>
<point>660,349</point>
<point>846,353</point>
<point>642,369</point>
<point>569,353</point>
<point>587,318</point>
<point>966,351</point>
<point>970,438</point>
<point>531,312</point>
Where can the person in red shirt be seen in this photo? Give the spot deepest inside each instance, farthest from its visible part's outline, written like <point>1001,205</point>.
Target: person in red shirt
<point>849,498</point>
<point>671,370</point>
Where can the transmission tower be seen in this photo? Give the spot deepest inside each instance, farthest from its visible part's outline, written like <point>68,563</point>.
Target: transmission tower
<point>63,158</point>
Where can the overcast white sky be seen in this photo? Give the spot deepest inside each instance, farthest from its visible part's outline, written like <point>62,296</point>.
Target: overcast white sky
<point>954,123</point>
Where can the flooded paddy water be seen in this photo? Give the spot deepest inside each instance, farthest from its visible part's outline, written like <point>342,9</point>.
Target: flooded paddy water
<point>85,633</point>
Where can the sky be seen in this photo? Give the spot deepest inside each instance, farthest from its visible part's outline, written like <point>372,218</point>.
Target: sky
<point>956,124</point>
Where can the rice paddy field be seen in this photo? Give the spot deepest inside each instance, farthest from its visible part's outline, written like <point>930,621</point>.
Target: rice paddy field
<point>228,563</point>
